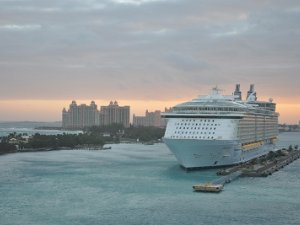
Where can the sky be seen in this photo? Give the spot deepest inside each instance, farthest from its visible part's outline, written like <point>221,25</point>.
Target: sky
<point>148,54</point>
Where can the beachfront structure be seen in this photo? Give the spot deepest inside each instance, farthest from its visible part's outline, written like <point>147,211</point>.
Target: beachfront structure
<point>151,119</point>
<point>82,116</point>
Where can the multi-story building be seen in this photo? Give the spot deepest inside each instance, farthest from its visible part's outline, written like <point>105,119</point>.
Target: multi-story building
<point>113,113</point>
<point>151,119</point>
<point>81,116</point>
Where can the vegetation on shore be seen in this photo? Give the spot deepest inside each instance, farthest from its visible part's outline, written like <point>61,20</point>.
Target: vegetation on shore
<point>91,137</point>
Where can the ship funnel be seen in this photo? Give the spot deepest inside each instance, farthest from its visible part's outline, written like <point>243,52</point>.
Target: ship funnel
<point>251,95</point>
<point>237,93</point>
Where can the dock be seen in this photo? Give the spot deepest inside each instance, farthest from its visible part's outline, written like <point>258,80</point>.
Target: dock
<point>262,166</point>
<point>218,184</point>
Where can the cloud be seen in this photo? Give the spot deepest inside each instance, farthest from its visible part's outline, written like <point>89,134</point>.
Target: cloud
<point>20,27</point>
<point>126,49</point>
<point>185,62</point>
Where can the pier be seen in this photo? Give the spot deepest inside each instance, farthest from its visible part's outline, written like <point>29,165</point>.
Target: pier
<point>262,166</point>
<point>218,184</point>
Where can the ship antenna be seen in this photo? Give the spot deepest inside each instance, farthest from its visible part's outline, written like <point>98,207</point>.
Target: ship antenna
<point>217,89</point>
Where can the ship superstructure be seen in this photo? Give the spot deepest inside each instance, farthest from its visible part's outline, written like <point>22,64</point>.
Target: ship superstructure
<point>217,130</point>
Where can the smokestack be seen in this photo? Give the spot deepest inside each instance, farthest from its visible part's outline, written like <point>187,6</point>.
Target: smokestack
<point>237,93</point>
<point>252,92</point>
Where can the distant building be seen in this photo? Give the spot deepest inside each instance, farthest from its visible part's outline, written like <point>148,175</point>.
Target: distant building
<point>150,119</point>
<point>113,113</point>
<point>80,116</point>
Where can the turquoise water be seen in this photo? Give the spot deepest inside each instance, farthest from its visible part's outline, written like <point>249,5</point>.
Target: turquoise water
<point>138,184</point>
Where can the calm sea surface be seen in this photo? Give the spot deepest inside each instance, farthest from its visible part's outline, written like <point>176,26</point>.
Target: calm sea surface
<point>138,184</point>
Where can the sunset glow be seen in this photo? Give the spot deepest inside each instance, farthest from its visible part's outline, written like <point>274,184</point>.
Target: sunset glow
<point>149,54</point>
<point>50,110</point>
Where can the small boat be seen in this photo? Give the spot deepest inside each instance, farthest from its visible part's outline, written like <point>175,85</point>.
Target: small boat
<point>106,148</point>
<point>208,187</point>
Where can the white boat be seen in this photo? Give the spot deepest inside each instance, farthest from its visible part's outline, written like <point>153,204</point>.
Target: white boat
<point>217,130</point>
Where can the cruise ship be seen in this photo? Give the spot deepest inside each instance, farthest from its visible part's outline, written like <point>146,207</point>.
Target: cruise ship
<point>217,130</point>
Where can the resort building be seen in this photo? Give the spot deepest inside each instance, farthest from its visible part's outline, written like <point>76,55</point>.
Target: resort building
<point>151,119</point>
<point>113,113</point>
<point>82,116</point>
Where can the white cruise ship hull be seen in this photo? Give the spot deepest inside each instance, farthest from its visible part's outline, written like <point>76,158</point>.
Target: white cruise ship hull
<point>192,153</point>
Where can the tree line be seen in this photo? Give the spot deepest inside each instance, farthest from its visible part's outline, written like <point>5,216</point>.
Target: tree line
<point>94,136</point>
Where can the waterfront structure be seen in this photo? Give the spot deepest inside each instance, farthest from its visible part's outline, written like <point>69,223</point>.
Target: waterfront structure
<point>113,113</point>
<point>82,116</point>
<point>217,130</point>
<point>151,119</point>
